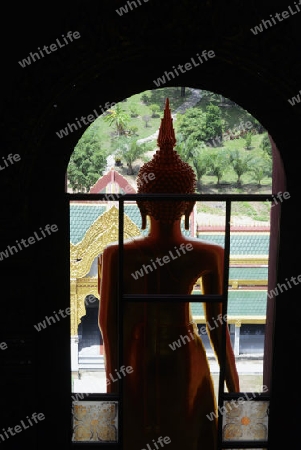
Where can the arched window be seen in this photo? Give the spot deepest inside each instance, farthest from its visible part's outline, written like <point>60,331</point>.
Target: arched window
<point>238,168</point>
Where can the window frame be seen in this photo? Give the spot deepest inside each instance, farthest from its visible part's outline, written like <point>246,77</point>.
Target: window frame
<point>222,395</point>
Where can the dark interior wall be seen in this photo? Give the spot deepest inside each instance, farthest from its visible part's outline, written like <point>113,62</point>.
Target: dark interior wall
<point>115,58</point>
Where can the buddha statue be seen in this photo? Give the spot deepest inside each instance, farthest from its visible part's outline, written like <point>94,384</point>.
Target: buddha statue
<point>168,392</point>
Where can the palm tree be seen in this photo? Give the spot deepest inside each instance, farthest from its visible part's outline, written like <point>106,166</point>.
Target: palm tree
<point>117,118</point>
<point>129,149</point>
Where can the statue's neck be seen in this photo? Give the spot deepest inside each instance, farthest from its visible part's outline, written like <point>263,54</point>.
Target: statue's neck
<point>160,231</point>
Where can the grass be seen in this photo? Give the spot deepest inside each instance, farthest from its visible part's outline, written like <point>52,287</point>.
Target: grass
<point>259,211</point>
<point>256,210</point>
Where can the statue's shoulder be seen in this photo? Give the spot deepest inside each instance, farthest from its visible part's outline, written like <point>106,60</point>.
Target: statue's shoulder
<point>207,247</point>
<point>110,251</point>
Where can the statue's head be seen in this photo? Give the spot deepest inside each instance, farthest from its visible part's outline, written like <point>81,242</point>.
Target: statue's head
<point>166,173</point>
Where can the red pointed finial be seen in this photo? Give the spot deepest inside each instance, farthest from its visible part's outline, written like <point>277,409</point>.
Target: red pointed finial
<point>166,132</point>
<point>170,174</point>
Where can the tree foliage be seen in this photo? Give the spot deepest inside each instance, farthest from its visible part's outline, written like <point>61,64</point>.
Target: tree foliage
<point>192,124</point>
<point>186,147</point>
<point>201,165</point>
<point>199,125</point>
<point>117,118</point>
<point>240,162</point>
<point>218,163</point>
<point>266,145</point>
<point>87,162</point>
<point>213,121</point>
<point>261,168</point>
<point>130,151</point>
<point>248,140</point>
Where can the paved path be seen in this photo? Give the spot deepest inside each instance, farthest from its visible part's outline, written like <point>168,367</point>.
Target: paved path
<point>250,374</point>
<point>192,100</point>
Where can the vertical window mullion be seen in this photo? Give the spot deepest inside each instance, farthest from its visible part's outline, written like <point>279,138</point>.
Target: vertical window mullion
<point>120,314</point>
<point>224,323</point>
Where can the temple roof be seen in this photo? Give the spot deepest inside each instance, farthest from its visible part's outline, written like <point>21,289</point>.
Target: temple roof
<point>83,215</point>
<point>244,303</point>
<point>242,243</point>
<point>248,273</point>
<point>112,176</point>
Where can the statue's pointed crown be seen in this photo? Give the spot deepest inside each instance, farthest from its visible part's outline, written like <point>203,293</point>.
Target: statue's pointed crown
<point>166,137</point>
<point>170,175</point>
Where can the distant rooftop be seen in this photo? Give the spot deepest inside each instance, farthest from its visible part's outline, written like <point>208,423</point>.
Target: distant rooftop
<point>241,303</point>
<point>83,215</point>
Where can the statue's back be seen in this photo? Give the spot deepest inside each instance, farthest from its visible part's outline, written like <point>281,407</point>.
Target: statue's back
<point>170,390</point>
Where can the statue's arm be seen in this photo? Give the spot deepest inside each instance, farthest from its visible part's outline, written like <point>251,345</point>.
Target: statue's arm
<point>107,319</point>
<point>213,284</point>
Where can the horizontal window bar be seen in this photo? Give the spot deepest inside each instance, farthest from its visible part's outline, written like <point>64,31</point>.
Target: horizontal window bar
<point>93,397</point>
<point>246,395</point>
<point>245,444</point>
<point>93,444</point>
<point>174,297</point>
<point>203,197</point>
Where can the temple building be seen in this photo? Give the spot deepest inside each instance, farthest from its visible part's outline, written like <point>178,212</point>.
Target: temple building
<point>93,225</point>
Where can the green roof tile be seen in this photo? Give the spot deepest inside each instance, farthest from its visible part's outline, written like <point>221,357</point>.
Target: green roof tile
<point>248,273</point>
<point>81,218</point>
<point>241,244</point>
<point>83,215</point>
<point>247,303</point>
<point>133,212</point>
<point>240,303</point>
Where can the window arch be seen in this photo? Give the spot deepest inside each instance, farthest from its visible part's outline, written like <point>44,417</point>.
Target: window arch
<point>117,197</point>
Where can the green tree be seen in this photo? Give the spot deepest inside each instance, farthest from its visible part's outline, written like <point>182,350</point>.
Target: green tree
<point>213,121</point>
<point>218,163</point>
<point>155,109</point>
<point>261,168</point>
<point>240,163</point>
<point>266,146</point>
<point>117,118</point>
<point>186,147</point>
<point>134,111</point>
<point>87,162</point>
<point>192,124</point>
<point>201,164</point>
<point>201,126</point>
<point>248,139</point>
<point>129,150</point>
